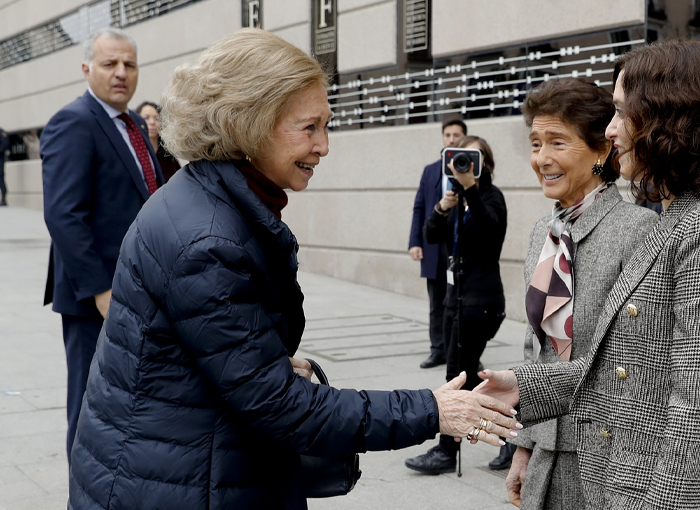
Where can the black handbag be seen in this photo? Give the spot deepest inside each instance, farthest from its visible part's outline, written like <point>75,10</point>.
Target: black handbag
<point>324,477</point>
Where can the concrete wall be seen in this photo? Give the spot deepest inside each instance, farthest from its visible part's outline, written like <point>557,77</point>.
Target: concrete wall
<point>481,25</point>
<point>366,34</point>
<point>290,19</point>
<point>23,179</point>
<point>33,91</point>
<point>353,221</point>
<point>26,14</point>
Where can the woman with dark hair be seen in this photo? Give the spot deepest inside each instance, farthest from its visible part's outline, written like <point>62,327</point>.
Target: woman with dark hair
<point>474,302</point>
<point>635,397</point>
<point>151,114</point>
<point>574,257</point>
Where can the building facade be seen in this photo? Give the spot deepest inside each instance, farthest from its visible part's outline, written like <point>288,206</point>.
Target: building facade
<point>398,67</point>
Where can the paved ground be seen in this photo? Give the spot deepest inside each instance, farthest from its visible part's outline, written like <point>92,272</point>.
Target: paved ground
<point>363,337</point>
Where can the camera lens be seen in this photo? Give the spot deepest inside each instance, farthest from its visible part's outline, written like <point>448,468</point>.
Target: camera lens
<point>461,162</point>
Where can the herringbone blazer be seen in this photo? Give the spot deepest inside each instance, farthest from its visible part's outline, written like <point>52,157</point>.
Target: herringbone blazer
<point>635,398</point>
<point>604,239</point>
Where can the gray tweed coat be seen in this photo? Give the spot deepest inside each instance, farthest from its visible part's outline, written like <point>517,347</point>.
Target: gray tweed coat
<point>635,398</point>
<point>604,238</point>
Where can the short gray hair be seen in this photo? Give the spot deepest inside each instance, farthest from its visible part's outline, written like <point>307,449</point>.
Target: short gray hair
<point>226,104</point>
<point>109,33</point>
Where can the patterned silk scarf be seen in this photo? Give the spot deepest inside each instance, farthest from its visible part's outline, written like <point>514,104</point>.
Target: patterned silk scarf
<point>549,301</point>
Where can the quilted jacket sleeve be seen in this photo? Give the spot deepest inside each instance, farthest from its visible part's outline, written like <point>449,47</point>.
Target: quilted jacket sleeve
<point>214,302</point>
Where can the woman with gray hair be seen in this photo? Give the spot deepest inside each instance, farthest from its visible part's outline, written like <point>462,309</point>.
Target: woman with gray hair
<point>194,399</point>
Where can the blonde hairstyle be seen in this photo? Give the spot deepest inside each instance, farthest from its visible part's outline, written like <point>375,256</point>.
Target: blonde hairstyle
<point>226,105</point>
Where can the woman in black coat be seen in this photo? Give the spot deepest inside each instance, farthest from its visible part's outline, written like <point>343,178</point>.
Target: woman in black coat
<point>474,303</point>
<point>194,400</point>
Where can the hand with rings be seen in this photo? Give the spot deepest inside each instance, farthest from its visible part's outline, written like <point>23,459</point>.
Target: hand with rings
<point>472,436</point>
<point>484,425</point>
<point>474,416</point>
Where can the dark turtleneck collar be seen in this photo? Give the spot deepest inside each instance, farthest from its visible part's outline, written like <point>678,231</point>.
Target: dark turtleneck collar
<point>267,191</point>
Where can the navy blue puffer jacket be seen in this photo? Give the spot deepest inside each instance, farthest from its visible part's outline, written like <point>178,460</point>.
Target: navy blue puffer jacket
<point>191,401</point>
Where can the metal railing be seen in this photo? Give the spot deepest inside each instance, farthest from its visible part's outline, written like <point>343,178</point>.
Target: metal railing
<point>487,85</point>
<point>75,27</point>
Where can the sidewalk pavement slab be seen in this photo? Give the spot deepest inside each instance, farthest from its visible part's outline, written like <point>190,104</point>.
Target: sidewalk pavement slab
<point>364,338</point>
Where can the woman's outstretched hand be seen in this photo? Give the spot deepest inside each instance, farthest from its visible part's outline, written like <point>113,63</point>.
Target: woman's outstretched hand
<point>475,416</point>
<point>502,385</point>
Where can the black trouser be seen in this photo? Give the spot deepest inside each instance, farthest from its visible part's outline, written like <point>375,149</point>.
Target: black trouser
<point>436,296</point>
<point>79,337</point>
<point>437,288</point>
<point>465,345</point>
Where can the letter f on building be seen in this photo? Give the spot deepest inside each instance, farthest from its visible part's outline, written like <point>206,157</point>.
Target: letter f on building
<point>326,6</point>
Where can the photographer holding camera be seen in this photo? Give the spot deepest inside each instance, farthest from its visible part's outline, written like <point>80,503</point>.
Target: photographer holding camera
<point>471,219</point>
<point>433,257</point>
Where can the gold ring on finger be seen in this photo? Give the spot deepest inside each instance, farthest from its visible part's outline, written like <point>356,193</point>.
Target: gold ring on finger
<point>470,435</point>
<point>477,433</point>
<point>483,424</point>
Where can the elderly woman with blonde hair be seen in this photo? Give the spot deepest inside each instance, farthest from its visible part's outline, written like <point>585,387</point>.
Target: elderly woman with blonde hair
<point>194,399</point>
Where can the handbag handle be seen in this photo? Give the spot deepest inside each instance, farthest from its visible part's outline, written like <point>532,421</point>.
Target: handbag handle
<point>320,374</point>
<point>324,477</point>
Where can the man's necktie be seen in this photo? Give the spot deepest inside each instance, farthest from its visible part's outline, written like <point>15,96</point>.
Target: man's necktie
<point>139,145</point>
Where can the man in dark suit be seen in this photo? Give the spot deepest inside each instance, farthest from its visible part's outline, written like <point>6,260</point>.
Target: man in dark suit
<point>4,146</point>
<point>433,257</point>
<point>98,170</point>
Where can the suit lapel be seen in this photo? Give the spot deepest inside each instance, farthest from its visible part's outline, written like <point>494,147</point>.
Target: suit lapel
<point>118,143</point>
<point>588,221</point>
<point>636,269</point>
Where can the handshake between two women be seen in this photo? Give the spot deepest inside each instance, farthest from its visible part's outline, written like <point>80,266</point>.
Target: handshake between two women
<point>461,413</point>
<point>476,416</point>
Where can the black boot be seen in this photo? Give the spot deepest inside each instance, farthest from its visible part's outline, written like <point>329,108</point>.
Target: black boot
<point>433,361</point>
<point>3,201</point>
<point>434,462</point>
<point>505,457</point>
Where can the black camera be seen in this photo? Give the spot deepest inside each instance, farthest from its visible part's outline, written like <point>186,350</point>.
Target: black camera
<point>462,160</point>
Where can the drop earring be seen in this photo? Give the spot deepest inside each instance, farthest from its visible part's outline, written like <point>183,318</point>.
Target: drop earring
<point>598,168</point>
